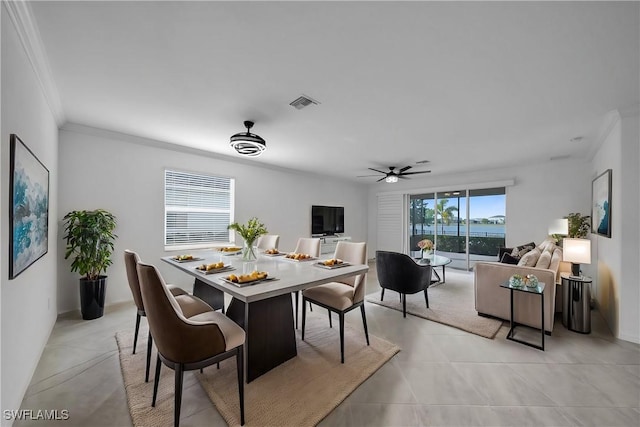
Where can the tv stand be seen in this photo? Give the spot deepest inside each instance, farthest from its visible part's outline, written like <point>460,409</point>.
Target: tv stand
<point>328,243</point>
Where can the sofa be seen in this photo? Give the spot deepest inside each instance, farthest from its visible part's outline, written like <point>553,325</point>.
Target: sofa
<point>544,261</point>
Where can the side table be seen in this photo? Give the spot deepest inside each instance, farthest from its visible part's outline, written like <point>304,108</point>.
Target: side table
<point>576,303</point>
<point>537,290</point>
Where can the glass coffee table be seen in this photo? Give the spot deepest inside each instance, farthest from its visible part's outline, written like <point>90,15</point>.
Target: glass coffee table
<point>435,261</point>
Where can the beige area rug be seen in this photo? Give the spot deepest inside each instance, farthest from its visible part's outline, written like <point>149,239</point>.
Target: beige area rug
<point>451,303</point>
<point>300,392</point>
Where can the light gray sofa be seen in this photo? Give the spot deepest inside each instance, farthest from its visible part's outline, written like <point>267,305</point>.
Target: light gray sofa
<point>492,300</point>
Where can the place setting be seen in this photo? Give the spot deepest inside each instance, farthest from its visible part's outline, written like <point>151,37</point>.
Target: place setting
<point>214,268</point>
<point>186,258</point>
<point>331,264</point>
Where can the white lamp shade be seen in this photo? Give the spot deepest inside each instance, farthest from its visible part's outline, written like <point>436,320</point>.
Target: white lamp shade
<point>559,226</point>
<point>577,251</point>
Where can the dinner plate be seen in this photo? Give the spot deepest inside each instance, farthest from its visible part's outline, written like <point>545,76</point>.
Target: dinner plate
<point>331,267</point>
<point>216,270</point>
<point>249,283</point>
<point>186,260</point>
<point>278,254</point>
<point>299,260</point>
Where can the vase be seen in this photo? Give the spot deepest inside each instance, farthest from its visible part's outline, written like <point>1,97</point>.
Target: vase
<point>248,251</point>
<point>426,253</point>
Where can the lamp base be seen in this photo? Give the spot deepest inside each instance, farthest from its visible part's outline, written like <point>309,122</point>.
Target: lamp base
<point>575,269</point>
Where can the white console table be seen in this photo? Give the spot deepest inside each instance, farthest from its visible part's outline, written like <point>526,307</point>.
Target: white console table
<point>328,243</point>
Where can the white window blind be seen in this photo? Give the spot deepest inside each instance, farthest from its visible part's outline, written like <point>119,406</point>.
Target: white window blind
<point>198,209</point>
<point>390,222</point>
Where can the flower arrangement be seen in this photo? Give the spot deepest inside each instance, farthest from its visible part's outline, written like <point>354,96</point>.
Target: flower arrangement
<point>425,245</point>
<point>249,234</point>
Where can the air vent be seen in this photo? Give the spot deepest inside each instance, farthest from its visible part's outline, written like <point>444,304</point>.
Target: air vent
<point>422,162</point>
<point>303,101</point>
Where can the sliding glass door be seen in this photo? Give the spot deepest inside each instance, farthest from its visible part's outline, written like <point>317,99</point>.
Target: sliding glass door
<point>465,225</point>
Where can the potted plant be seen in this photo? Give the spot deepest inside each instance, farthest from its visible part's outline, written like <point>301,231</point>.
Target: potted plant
<point>249,234</point>
<point>579,225</point>
<point>89,237</point>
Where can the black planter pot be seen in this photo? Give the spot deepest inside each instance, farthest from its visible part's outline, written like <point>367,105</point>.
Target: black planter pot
<point>92,293</point>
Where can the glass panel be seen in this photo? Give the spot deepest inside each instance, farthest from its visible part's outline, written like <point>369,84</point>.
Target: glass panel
<point>421,220</point>
<point>451,214</point>
<point>487,222</point>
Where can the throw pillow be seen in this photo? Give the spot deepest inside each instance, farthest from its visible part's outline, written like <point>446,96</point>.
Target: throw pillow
<point>555,260</point>
<point>544,260</point>
<point>530,258</point>
<point>508,259</point>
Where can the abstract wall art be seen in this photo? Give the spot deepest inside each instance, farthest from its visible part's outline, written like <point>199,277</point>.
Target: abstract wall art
<point>601,204</point>
<point>28,208</point>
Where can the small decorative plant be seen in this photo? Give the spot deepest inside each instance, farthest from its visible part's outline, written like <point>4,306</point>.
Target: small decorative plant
<point>579,225</point>
<point>425,245</point>
<point>89,237</point>
<point>249,234</point>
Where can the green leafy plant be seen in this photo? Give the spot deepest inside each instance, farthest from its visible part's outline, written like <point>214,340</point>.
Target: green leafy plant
<point>579,225</point>
<point>251,231</point>
<point>89,237</point>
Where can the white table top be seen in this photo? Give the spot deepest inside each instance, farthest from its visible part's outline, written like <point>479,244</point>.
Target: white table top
<point>291,275</point>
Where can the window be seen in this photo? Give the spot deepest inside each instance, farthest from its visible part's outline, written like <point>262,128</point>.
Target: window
<point>197,209</point>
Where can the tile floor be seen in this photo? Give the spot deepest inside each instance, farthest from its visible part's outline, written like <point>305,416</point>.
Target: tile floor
<point>442,376</point>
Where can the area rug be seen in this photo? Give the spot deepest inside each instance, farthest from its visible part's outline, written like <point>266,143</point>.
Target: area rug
<point>300,392</point>
<point>451,303</point>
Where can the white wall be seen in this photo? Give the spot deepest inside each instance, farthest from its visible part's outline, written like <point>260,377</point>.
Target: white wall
<point>28,301</point>
<point>540,194</point>
<point>617,258</point>
<point>125,175</point>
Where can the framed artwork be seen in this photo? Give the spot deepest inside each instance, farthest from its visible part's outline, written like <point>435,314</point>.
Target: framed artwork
<point>601,204</point>
<point>28,208</point>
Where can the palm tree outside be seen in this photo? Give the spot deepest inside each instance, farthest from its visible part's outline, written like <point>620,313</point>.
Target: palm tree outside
<point>444,212</point>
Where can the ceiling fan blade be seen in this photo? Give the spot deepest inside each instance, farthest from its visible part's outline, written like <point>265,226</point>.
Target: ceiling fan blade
<point>402,176</point>
<point>382,179</point>
<point>365,176</point>
<point>404,169</point>
<point>376,170</point>
<point>415,173</point>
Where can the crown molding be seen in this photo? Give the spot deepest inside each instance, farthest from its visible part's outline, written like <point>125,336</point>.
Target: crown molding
<point>22,17</point>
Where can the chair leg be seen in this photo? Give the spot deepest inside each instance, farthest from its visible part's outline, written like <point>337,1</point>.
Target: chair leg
<point>330,322</point>
<point>135,335</point>
<point>310,307</point>
<point>341,316</point>
<point>382,295</point>
<point>156,381</point>
<point>404,305</point>
<point>426,297</point>
<point>239,360</point>
<point>149,348</point>
<point>304,315</point>
<point>364,322</point>
<point>178,394</point>
<point>295,295</point>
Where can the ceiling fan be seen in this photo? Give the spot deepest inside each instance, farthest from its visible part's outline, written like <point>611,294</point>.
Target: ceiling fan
<point>392,175</point>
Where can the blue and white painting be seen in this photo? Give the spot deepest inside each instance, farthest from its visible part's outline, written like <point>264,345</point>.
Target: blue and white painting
<point>601,209</point>
<point>29,208</point>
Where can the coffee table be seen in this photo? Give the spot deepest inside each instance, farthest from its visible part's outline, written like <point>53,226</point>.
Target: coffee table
<point>435,261</point>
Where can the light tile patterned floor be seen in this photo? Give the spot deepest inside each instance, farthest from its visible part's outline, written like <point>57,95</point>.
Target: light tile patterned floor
<point>442,376</point>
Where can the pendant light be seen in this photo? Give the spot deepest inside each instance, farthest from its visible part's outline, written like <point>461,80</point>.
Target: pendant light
<point>247,143</point>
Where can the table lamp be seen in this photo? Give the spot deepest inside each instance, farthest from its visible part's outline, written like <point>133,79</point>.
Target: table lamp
<point>576,251</point>
<point>559,228</point>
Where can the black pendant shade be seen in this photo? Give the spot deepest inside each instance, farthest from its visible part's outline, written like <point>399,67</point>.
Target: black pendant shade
<point>247,143</point>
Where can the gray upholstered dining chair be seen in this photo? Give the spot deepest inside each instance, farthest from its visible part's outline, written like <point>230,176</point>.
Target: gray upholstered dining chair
<point>400,273</point>
<point>268,241</point>
<point>310,246</point>
<point>189,304</point>
<point>344,296</point>
<point>186,344</point>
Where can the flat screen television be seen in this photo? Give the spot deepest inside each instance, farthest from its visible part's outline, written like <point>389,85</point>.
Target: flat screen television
<point>327,220</point>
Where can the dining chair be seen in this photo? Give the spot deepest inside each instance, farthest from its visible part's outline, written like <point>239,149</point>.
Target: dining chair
<point>186,344</point>
<point>310,246</point>
<point>400,273</point>
<point>189,304</point>
<point>343,296</point>
<point>268,241</point>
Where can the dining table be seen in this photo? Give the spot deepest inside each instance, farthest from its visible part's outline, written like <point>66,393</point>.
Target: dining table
<point>263,308</point>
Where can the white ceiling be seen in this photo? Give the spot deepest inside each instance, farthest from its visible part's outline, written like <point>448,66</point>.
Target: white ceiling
<point>465,85</point>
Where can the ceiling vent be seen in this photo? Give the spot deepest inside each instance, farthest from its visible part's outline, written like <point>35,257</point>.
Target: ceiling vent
<point>303,101</point>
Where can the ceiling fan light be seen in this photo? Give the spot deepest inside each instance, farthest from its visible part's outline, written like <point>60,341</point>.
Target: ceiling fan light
<point>247,143</point>
<point>391,179</point>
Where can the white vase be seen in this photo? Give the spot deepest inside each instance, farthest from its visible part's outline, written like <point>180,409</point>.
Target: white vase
<point>426,253</point>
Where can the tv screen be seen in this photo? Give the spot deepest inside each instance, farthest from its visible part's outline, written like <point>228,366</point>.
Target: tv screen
<point>327,220</point>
